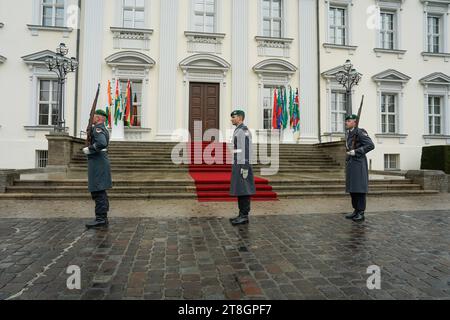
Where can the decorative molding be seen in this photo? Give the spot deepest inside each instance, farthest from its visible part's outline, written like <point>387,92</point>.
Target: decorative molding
<point>401,137</point>
<point>2,59</point>
<point>329,46</point>
<point>380,51</point>
<point>331,73</point>
<point>391,75</point>
<point>36,28</point>
<point>128,38</point>
<point>204,42</point>
<point>275,67</point>
<point>436,78</point>
<point>274,47</point>
<point>427,55</point>
<point>38,58</point>
<point>31,130</point>
<point>430,137</point>
<point>127,59</point>
<point>204,62</point>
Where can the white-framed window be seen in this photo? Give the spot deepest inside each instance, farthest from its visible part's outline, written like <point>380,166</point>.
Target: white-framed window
<point>136,108</point>
<point>133,14</point>
<point>47,102</point>
<point>337,25</point>
<point>388,30</point>
<point>53,12</point>
<point>338,111</point>
<point>272,18</point>
<point>391,162</point>
<point>41,158</point>
<point>205,18</point>
<point>434,33</point>
<point>435,114</point>
<point>267,109</point>
<point>389,113</point>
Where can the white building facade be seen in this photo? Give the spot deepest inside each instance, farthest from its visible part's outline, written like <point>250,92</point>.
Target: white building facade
<point>192,60</point>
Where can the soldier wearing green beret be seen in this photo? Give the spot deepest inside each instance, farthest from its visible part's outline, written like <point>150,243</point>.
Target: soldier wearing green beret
<point>99,170</point>
<point>358,144</point>
<point>242,179</point>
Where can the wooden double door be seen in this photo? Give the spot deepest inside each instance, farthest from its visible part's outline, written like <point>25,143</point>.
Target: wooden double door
<point>204,106</point>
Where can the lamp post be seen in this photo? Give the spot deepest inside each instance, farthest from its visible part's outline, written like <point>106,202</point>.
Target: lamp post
<point>348,79</point>
<point>61,65</point>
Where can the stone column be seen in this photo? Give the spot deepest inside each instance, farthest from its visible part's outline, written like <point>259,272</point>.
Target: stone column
<point>91,57</point>
<point>168,68</point>
<point>309,72</point>
<point>240,67</point>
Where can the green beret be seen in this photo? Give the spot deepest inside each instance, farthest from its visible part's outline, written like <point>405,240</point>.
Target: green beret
<point>101,113</point>
<point>351,117</point>
<point>238,113</point>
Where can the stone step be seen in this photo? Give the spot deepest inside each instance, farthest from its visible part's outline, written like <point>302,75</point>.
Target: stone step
<point>185,182</point>
<point>189,195</point>
<point>306,188</point>
<point>82,189</point>
<point>203,187</point>
<point>383,193</point>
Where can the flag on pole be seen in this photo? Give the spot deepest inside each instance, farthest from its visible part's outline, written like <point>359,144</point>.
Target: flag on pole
<point>285,115</point>
<point>295,121</point>
<point>275,110</point>
<point>117,104</point>
<point>110,104</point>
<point>128,103</point>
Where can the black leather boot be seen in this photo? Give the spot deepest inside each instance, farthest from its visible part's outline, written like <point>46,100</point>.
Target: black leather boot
<point>242,219</point>
<point>100,221</point>
<point>351,215</point>
<point>359,217</point>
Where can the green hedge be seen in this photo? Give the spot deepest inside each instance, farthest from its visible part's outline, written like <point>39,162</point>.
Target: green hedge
<point>436,158</point>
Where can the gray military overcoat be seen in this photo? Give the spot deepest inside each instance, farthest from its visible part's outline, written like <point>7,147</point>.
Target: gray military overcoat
<point>99,169</point>
<point>242,151</point>
<point>357,172</point>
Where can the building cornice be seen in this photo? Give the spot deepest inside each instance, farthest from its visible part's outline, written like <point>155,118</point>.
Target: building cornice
<point>36,28</point>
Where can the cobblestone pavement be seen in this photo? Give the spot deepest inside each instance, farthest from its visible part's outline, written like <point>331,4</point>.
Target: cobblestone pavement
<point>275,257</point>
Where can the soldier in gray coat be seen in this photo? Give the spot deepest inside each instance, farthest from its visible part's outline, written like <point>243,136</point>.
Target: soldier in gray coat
<point>242,179</point>
<point>358,145</point>
<point>99,170</point>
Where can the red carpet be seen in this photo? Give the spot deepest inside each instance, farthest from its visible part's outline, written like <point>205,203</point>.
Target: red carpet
<point>213,180</point>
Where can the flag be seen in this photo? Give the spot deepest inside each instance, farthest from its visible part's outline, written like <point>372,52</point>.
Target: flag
<point>274,113</point>
<point>279,108</point>
<point>296,113</point>
<point>110,104</point>
<point>128,103</point>
<point>134,117</point>
<point>285,115</point>
<point>117,104</point>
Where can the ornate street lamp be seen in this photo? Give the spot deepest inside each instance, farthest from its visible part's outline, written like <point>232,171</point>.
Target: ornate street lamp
<point>348,79</point>
<point>61,65</point>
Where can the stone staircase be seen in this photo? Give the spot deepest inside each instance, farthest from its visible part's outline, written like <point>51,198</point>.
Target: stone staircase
<point>144,170</point>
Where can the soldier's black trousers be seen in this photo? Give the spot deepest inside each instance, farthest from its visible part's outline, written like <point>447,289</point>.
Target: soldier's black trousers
<point>244,203</point>
<point>359,201</point>
<point>101,202</point>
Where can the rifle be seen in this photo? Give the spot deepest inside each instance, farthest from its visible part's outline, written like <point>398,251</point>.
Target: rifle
<point>91,118</point>
<point>357,122</point>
